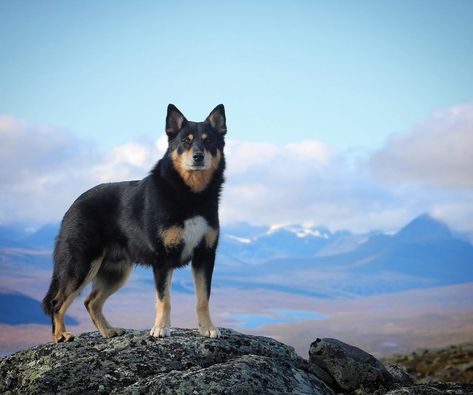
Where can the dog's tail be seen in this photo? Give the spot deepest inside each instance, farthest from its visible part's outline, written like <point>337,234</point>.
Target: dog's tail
<point>48,300</point>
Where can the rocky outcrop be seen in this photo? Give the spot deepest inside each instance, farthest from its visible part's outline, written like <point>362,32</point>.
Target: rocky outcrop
<point>350,367</point>
<point>184,363</point>
<point>187,363</point>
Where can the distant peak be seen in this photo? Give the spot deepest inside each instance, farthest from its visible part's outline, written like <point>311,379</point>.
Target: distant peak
<point>427,218</point>
<point>425,227</point>
<point>299,230</point>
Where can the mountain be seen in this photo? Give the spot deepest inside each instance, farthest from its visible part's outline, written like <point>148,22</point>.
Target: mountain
<point>256,244</point>
<point>44,237</point>
<point>422,254</point>
<point>344,242</point>
<point>424,247</point>
<point>424,228</point>
<point>19,309</point>
<point>272,267</point>
<point>298,260</point>
<point>10,235</point>
<point>20,237</point>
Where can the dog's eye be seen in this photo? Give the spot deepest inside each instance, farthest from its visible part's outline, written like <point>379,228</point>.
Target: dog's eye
<point>186,140</point>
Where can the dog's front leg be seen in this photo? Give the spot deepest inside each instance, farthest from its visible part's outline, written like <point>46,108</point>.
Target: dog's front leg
<point>162,324</point>
<point>202,269</point>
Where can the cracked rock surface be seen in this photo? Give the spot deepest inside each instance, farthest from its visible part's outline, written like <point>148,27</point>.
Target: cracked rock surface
<point>185,363</point>
<point>188,363</point>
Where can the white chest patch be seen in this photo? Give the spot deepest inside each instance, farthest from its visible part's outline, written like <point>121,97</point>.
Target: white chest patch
<point>194,230</point>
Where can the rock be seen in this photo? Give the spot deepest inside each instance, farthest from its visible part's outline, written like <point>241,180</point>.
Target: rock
<point>434,389</point>
<point>351,368</point>
<point>399,374</point>
<point>185,363</point>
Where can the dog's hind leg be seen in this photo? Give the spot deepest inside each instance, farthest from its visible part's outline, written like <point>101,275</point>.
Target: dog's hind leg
<point>110,278</point>
<point>69,288</point>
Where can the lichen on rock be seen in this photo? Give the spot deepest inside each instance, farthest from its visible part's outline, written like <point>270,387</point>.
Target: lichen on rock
<point>185,363</point>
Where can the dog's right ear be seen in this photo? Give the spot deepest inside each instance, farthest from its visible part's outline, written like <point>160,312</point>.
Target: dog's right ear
<point>175,121</point>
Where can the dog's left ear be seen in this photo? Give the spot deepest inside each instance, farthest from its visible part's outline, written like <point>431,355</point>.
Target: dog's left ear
<point>217,119</point>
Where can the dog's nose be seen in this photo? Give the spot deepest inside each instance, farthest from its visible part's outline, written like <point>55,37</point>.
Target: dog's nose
<point>198,157</point>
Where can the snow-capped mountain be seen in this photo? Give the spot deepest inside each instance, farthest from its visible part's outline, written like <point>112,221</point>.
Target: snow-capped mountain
<point>254,244</point>
<point>297,259</point>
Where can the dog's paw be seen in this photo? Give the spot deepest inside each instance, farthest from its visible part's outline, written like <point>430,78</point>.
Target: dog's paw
<point>160,331</point>
<point>209,331</point>
<point>63,337</point>
<point>113,332</point>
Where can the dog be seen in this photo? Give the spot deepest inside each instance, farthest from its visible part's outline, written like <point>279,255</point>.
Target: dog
<point>165,220</point>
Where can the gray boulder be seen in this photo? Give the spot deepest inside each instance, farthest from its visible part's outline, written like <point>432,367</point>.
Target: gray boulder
<point>185,363</point>
<point>351,368</point>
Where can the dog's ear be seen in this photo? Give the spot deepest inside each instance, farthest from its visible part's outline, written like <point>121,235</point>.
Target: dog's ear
<point>217,119</point>
<point>175,121</point>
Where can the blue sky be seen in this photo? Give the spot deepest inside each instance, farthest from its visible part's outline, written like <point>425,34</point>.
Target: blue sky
<point>353,115</point>
<point>346,73</point>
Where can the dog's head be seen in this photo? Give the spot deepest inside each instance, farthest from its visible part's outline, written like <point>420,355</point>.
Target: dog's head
<point>196,148</point>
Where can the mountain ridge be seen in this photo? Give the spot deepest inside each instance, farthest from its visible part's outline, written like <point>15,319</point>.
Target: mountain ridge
<point>423,253</point>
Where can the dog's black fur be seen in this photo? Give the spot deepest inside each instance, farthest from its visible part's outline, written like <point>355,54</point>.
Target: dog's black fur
<point>125,222</point>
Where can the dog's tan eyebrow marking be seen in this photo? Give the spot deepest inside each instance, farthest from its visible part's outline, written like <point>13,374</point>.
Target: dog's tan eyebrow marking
<point>190,136</point>
<point>171,236</point>
<point>204,136</point>
<point>211,237</point>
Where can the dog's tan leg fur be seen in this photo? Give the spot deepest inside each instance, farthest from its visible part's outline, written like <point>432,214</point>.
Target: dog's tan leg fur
<point>162,324</point>
<point>206,327</point>
<point>60,333</point>
<point>101,291</point>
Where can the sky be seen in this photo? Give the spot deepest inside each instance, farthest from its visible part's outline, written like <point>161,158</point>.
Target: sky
<point>353,115</point>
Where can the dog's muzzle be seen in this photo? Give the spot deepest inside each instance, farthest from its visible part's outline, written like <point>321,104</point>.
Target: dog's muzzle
<point>198,161</point>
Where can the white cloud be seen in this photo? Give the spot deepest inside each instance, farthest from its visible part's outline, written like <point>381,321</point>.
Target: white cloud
<point>43,170</point>
<point>127,161</point>
<point>247,155</point>
<point>26,152</point>
<point>304,191</point>
<point>437,151</point>
<point>250,155</point>
<point>308,150</point>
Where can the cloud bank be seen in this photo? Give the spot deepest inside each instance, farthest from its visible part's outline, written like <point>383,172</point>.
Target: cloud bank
<point>436,152</point>
<point>43,169</point>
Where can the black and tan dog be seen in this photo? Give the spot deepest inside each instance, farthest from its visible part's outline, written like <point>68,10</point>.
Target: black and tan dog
<point>165,220</point>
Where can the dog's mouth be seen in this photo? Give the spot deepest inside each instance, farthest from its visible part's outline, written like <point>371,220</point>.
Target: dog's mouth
<point>197,166</point>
